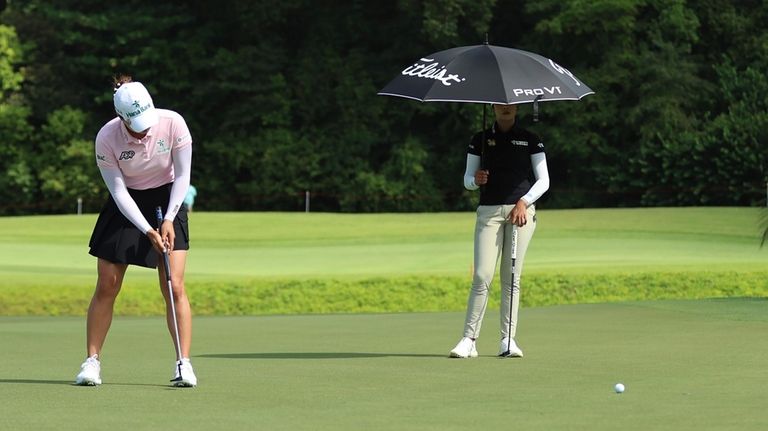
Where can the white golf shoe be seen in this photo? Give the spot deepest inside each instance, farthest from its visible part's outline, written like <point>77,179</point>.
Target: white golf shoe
<point>465,349</point>
<point>90,372</point>
<point>187,378</point>
<point>509,349</point>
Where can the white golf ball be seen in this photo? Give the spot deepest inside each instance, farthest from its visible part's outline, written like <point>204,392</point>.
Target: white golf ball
<point>619,388</point>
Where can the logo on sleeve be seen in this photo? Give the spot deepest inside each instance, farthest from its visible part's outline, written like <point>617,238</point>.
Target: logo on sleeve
<point>127,155</point>
<point>541,145</point>
<point>101,157</point>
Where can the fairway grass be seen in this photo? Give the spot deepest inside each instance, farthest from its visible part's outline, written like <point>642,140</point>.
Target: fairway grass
<point>687,365</point>
<point>278,263</point>
<point>247,245</point>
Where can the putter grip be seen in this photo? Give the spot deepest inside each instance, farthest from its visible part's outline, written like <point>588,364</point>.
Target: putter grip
<point>159,216</point>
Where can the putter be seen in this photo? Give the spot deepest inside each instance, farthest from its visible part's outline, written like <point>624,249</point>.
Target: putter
<point>513,252</point>
<point>167,266</point>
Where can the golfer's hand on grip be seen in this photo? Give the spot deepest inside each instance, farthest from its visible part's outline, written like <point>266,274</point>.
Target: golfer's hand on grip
<point>156,240</point>
<point>519,215</point>
<point>168,234</point>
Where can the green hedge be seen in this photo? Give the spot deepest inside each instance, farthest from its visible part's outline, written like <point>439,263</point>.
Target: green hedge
<point>380,295</point>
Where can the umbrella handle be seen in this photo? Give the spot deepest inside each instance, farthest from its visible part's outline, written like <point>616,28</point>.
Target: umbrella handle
<point>482,142</point>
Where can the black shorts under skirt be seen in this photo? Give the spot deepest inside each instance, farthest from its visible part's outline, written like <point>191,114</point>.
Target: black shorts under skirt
<point>117,240</point>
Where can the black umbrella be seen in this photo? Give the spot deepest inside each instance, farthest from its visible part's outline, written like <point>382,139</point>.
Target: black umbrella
<point>486,74</point>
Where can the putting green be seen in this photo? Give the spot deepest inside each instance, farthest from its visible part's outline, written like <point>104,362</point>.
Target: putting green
<point>687,365</point>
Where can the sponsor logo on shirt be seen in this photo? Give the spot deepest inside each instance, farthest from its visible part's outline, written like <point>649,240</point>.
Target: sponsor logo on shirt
<point>491,142</point>
<point>127,155</point>
<point>520,143</point>
<point>541,145</point>
<point>162,147</point>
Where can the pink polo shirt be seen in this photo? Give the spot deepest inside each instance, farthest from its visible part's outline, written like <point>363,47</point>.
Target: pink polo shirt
<point>145,163</point>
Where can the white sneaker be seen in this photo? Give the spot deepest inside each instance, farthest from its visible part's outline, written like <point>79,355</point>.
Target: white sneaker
<point>465,349</point>
<point>508,349</point>
<point>90,372</point>
<point>187,376</point>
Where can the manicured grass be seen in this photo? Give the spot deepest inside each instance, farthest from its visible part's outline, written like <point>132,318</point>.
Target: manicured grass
<point>241,245</point>
<point>687,365</point>
<point>246,263</point>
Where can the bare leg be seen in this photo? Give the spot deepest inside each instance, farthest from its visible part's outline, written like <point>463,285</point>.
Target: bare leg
<point>110,279</point>
<point>178,260</point>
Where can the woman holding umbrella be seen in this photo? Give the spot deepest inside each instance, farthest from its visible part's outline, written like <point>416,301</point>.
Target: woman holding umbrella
<point>510,169</point>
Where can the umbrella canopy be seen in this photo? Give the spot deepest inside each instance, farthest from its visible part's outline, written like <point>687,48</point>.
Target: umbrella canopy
<point>486,74</point>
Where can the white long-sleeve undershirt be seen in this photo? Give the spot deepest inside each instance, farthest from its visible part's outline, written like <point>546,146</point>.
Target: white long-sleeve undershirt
<point>182,169</point>
<point>540,173</point>
<point>113,178</point>
<point>473,164</point>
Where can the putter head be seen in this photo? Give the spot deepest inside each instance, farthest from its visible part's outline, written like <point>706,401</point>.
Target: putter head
<point>178,381</point>
<point>510,354</point>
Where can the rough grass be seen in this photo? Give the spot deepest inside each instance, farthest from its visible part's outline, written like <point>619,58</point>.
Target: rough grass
<point>393,294</point>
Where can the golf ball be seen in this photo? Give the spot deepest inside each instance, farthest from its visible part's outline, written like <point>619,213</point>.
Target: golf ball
<point>619,388</point>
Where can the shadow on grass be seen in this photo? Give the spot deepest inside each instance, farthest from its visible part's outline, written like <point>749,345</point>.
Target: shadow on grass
<point>71,383</point>
<point>314,355</point>
<point>37,382</point>
<point>152,385</point>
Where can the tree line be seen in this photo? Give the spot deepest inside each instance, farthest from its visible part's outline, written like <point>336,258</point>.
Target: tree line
<point>281,99</point>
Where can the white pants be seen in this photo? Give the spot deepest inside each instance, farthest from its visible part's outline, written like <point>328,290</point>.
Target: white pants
<point>493,237</point>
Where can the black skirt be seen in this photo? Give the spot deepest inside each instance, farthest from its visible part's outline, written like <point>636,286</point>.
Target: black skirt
<point>117,240</point>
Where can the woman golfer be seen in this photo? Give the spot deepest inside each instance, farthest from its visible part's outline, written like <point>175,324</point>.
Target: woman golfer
<point>513,176</point>
<point>144,156</point>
